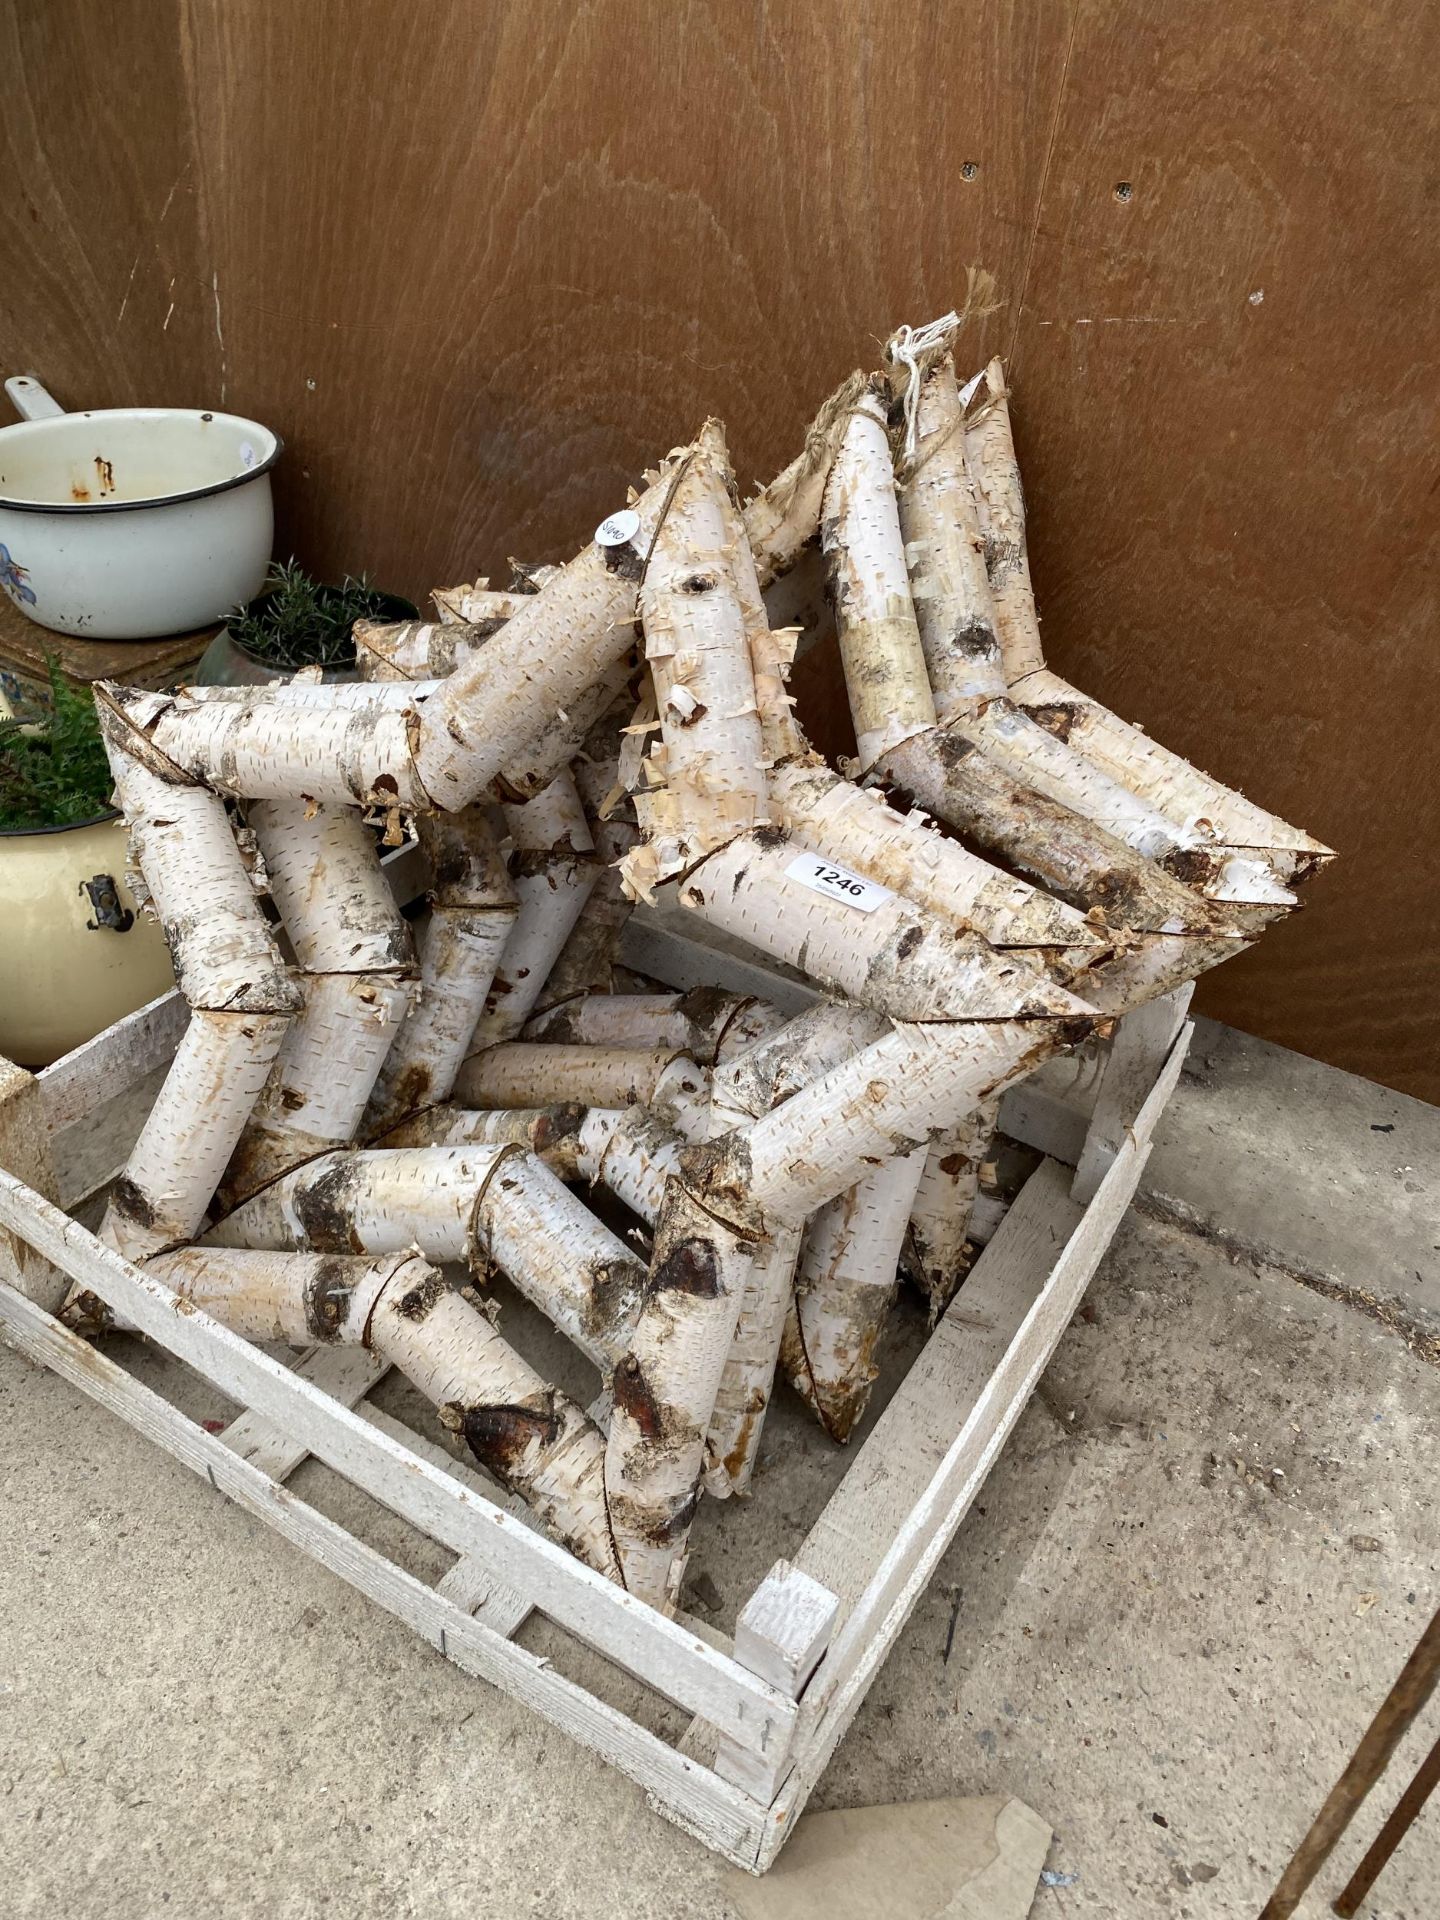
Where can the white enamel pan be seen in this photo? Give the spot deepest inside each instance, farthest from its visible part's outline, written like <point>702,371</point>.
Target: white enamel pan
<point>131,522</point>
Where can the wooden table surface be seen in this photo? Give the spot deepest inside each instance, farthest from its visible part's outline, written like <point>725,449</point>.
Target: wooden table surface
<point>138,663</point>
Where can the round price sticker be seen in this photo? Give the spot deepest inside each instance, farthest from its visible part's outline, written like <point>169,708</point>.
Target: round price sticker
<point>619,530</point>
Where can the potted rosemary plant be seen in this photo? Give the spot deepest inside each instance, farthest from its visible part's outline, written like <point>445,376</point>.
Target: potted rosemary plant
<point>296,622</point>
<point>74,953</point>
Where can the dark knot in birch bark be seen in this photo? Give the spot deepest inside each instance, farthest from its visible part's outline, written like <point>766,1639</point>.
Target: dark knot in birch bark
<point>501,1436</point>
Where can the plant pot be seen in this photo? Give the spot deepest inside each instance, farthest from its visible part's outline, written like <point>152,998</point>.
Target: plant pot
<point>75,955</point>
<point>225,663</point>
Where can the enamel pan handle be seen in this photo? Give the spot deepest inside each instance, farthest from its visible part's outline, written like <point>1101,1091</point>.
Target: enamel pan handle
<point>30,399</point>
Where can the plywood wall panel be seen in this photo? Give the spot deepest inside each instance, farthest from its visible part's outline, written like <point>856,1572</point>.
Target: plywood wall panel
<point>1227,409</point>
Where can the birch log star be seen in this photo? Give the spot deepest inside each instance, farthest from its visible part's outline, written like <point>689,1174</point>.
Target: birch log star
<point>347,1117</point>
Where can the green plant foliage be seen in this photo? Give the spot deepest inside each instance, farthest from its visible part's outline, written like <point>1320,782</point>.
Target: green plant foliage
<point>298,622</point>
<point>53,771</point>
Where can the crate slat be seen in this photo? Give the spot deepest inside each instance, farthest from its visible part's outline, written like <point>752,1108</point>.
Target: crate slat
<point>597,1611</point>
<point>721,1815</point>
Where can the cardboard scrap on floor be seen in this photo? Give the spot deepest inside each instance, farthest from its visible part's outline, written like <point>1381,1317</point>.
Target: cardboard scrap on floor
<point>957,1859</point>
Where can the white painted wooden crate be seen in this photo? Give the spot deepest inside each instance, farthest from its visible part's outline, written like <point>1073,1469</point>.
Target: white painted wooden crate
<point>766,1710</point>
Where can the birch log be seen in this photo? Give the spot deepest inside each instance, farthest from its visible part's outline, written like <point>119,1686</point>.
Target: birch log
<point>588,961</point>
<point>553,869</point>
<point>855,827</point>
<point>707,1023</point>
<point>459,1203</point>
<point>1236,851</point>
<point>396,650</point>
<point>938,1240</point>
<point>944,552</point>
<point>303,1299</point>
<point>844,1287</point>
<point>990,450</point>
<point>882,1101</point>
<point>625,1149</point>
<point>221,946</point>
<point>530,1073</point>
<point>950,776</point>
<point>1175,788</point>
<point>784,517</point>
<point>478,603</point>
<point>750,1084</point>
<point>349,936</point>
<point>664,1389</point>
<point>473,908</point>
<point>528,1435</point>
<point>242,1002</point>
<point>699,659</point>
<point>884,663</point>
<point>768,890</point>
<point>222,1062</point>
<point>263,747</point>
<point>558,644</point>
<point>551,1132</point>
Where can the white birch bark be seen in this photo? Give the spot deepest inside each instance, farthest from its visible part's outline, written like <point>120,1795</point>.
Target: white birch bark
<point>644,1020</point>
<point>322,1079</point>
<point>784,516</point>
<point>220,1066</point>
<point>625,1149</point>
<point>351,939</point>
<point>532,1438</point>
<point>221,945</point>
<point>1206,809</point>
<point>267,748</point>
<point>473,908</point>
<point>631,1154</point>
<point>1156,964</point>
<point>897,958</point>
<point>321,696</point>
<point>782,1062</point>
<point>552,1133</point>
<point>707,1022</point>
<point>949,775</point>
<point>392,651</point>
<point>555,646</point>
<point>539,1073</point>
<point>854,826</point>
<point>547,755</point>
<point>767,1073</point>
<point>990,450</point>
<point>882,1101</point>
<point>885,674</point>
<point>553,870</point>
<point>302,1298</point>
<point>459,1203</point>
<point>1153,801</point>
<point>844,1287</point>
<point>699,658</point>
<point>588,962</point>
<point>944,551</point>
<point>742,1399</point>
<point>527,1433</point>
<point>477,603</point>
<point>325,878</point>
<point>664,1389</point>
<point>1023,749</point>
<point>938,1245</point>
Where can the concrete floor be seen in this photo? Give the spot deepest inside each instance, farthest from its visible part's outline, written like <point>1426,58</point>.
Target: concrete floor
<point>1191,1577</point>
